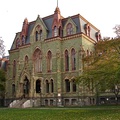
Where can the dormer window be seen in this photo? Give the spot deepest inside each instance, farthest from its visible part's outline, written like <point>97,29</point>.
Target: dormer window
<point>69,29</point>
<point>87,29</point>
<point>55,31</point>
<point>23,39</point>
<point>98,36</point>
<point>38,33</point>
<point>17,43</point>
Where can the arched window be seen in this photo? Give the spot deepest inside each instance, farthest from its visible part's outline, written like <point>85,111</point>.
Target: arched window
<point>52,86</point>
<point>87,29</point>
<point>37,57</point>
<point>67,85</point>
<point>60,31</point>
<point>73,86</point>
<point>66,60</point>
<point>38,86</point>
<point>14,69</point>
<point>47,86</point>
<point>13,89</point>
<point>40,34</point>
<point>55,31</point>
<point>49,57</point>
<point>98,36</point>
<point>36,36</point>
<point>73,59</point>
<point>26,59</point>
<point>69,29</point>
<point>88,53</point>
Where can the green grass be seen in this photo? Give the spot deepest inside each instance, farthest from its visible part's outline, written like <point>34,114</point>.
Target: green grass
<point>90,113</point>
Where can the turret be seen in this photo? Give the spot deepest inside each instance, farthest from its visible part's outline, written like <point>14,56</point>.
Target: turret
<point>57,24</point>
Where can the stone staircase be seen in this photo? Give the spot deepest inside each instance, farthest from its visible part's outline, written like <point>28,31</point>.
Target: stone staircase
<point>17,103</point>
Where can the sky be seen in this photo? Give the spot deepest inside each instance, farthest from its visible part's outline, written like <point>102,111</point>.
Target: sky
<point>103,14</point>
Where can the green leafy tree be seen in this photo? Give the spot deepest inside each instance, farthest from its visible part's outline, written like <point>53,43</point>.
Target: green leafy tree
<point>102,68</point>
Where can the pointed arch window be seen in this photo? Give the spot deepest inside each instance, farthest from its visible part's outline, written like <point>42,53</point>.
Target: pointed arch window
<point>55,31</point>
<point>98,36</point>
<point>60,31</point>
<point>52,86</point>
<point>73,59</point>
<point>67,85</point>
<point>38,86</point>
<point>87,29</point>
<point>26,59</point>
<point>49,57</point>
<point>37,57</point>
<point>40,34</point>
<point>87,53</point>
<point>69,29</point>
<point>74,85</point>
<point>13,89</point>
<point>66,60</point>
<point>14,69</point>
<point>47,86</point>
<point>36,36</point>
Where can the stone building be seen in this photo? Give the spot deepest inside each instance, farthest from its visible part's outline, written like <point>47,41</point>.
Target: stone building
<point>45,57</point>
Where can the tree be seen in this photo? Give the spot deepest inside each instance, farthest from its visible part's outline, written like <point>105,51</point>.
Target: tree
<point>2,48</point>
<point>2,83</point>
<point>117,30</point>
<point>102,68</point>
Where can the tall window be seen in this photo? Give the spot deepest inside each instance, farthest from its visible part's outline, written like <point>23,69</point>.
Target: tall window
<point>13,89</point>
<point>60,31</point>
<point>52,86</point>
<point>38,86</point>
<point>47,86</point>
<point>55,31</point>
<point>66,60</point>
<point>36,36</point>
<point>73,86</point>
<point>40,34</point>
<point>87,29</point>
<point>69,29</point>
<point>14,69</point>
<point>17,43</point>
<point>23,39</point>
<point>37,57</point>
<point>98,36</point>
<point>26,59</point>
<point>49,61</point>
<point>67,85</point>
<point>73,59</point>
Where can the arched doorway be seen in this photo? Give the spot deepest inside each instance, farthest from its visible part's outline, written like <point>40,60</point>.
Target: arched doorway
<point>26,87</point>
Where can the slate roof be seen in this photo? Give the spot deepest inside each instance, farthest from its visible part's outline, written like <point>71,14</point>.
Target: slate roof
<point>77,19</point>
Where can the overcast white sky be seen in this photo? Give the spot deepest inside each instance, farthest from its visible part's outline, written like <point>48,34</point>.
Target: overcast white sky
<point>104,14</point>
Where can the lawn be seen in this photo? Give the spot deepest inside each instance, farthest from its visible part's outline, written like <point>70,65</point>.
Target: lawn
<point>94,113</point>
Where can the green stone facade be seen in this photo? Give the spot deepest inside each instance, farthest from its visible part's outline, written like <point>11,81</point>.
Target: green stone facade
<point>20,71</point>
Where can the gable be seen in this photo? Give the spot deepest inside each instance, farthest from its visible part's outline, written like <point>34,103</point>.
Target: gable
<point>74,26</point>
<point>39,22</point>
